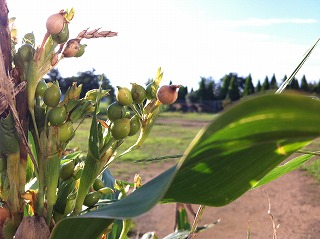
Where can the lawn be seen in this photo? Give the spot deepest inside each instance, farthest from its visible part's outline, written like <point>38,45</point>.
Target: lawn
<point>171,135</point>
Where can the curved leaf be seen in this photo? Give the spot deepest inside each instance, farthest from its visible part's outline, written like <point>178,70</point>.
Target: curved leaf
<point>241,146</point>
<point>224,161</point>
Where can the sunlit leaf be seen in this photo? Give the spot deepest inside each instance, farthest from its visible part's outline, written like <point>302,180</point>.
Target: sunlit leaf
<point>237,150</point>
<point>241,146</point>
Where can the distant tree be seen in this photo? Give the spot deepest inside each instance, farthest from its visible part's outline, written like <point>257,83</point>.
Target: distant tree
<point>233,91</point>
<point>273,83</point>
<point>284,78</point>
<point>248,87</point>
<point>294,85</point>
<point>316,88</point>
<point>192,97</point>
<point>258,87</point>
<point>202,91</point>
<point>54,75</point>
<point>106,85</point>
<point>225,86</point>
<point>304,84</point>
<point>241,82</point>
<point>210,91</point>
<point>266,84</point>
<point>183,91</point>
<point>88,79</point>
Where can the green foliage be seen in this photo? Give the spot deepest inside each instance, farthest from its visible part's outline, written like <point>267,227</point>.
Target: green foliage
<point>266,84</point>
<point>233,90</point>
<point>222,163</point>
<point>88,79</point>
<point>248,87</point>
<point>316,88</point>
<point>206,89</point>
<point>202,89</point>
<point>273,83</point>
<point>258,87</point>
<point>294,84</point>
<point>304,84</point>
<point>239,150</point>
<point>225,86</point>
<point>182,93</point>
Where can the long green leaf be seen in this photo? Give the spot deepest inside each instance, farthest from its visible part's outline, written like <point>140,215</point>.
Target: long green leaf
<point>277,172</point>
<point>224,161</point>
<point>296,70</point>
<point>241,146</point>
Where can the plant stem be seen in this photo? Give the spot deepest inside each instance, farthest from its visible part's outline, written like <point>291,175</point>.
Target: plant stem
<point>196,221</point>
<point>52,169</point>
<point>316,153</point>
<point>41,187</point>
<point>89,174</point>
<point>133,107</point>
<point>126,225</point>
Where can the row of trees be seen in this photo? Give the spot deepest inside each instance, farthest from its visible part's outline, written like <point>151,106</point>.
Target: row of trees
<point>88,79</point>
<point>232,87</point>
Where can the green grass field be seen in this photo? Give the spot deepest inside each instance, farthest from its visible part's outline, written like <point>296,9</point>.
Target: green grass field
<point>171,135</point>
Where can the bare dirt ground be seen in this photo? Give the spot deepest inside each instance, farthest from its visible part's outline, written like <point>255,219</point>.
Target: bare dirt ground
<point>295,207</point>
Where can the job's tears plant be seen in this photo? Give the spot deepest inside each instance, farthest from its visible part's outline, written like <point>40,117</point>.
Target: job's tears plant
<point>65,185</point>
<point>54,194</point>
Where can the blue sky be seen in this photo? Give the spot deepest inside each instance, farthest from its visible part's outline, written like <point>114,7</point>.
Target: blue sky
<point>187,38</point>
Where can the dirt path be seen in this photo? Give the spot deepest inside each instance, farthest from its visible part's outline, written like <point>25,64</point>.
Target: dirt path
<point>295,206</point>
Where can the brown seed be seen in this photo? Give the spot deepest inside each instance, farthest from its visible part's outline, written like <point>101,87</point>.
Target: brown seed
<point>168,94</point>
<point>72,47</point>
<point>55,23</point>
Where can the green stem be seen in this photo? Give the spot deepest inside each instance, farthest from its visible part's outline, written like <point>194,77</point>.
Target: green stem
<point>126,225</point>
<point>52,169</point>
<point>316,153</point>
<point>133,107</point>
<point>158,158</point>
<point>52,166</point>
<point>89,174</point>
<point>196,221</point>
<point>41,182</point>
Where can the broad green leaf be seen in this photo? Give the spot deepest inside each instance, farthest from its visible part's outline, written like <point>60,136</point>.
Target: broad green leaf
<point>137,203</point>
<point>224,161</point>
<point>241,146</point>
<point>80,228</point>
<point>277,172</point>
